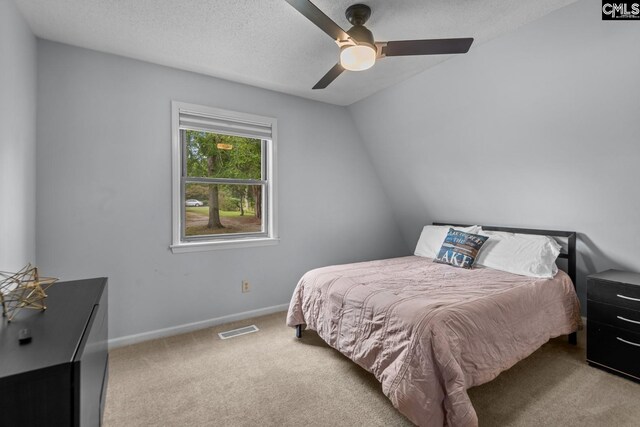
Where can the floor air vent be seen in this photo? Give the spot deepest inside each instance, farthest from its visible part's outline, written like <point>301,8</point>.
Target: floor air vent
<point>237,332</point>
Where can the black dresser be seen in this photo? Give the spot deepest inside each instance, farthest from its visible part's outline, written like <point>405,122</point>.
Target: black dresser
<point>613,329</point>
<point>60,377</point>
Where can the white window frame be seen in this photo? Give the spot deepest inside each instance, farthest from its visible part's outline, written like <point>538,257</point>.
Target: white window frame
<point>270,214</point>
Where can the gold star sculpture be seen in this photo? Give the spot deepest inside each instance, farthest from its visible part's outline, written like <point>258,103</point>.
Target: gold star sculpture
<point>24,289</point>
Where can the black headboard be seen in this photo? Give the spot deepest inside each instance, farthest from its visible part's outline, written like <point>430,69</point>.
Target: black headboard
<point>569,254</point>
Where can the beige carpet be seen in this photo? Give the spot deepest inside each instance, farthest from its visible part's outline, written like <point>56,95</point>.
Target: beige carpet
<point>269,378</point>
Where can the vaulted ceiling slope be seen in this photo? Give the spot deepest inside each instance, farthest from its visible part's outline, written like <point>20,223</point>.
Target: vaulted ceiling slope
<point>267,43</point>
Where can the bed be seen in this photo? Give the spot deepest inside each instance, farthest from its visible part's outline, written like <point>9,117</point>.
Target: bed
<point>429,331</point>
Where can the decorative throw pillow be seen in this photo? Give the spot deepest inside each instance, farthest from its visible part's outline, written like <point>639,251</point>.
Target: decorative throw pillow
<point>460,249</point>
<point>432,237</point>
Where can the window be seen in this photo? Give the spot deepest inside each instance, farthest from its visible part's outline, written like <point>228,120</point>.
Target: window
<point>223,179</point>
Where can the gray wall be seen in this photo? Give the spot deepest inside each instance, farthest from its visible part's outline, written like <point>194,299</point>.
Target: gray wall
<point>17,139</point>
<point>538,128</point>
<point>104,191</point>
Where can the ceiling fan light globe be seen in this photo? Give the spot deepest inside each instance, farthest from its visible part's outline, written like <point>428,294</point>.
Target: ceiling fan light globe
<point>357,58</point>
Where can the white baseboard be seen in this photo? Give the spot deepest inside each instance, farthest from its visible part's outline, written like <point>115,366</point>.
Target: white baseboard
<point>190,327</point>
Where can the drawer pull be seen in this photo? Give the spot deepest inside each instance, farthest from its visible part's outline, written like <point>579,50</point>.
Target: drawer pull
<point>628,342</point>
<point>629,298</point>
<point>628,320</point>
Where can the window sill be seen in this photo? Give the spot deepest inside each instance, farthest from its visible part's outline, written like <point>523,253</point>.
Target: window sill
<point>225,244</point>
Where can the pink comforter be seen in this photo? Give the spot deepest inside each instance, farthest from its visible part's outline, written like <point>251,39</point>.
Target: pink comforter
<point>430,331</point>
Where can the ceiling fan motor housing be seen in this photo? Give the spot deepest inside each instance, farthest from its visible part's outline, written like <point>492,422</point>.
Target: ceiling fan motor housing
<point>362,35</point>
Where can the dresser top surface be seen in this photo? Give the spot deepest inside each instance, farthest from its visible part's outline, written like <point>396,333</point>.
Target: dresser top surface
<point>56,332</point>
<point>617,276</point>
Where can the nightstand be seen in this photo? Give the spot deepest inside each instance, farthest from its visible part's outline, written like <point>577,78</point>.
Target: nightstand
<point>613,328</point>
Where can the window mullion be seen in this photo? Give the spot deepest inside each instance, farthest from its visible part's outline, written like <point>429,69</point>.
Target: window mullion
<point>231,181</point>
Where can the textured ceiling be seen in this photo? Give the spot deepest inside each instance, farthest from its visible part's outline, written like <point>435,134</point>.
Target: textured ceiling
<point>267,43</point>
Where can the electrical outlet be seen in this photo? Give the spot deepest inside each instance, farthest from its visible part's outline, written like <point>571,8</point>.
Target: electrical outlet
<point>245,286</point>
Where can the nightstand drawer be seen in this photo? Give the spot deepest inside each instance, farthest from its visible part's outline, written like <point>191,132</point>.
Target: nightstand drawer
<point>614,293</point>
<point>614,348</point>
<point>613,316</point>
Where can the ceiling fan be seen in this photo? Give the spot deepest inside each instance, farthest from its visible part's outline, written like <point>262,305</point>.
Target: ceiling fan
<point>358,49</point>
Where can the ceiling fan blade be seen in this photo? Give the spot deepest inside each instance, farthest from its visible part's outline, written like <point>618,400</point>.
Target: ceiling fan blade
<point>329,77</point>
<point>426,47</point>
<point>322,21</point>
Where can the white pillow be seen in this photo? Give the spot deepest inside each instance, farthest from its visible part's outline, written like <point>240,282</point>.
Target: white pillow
<point>524,254</point>
<point>432,238</point>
